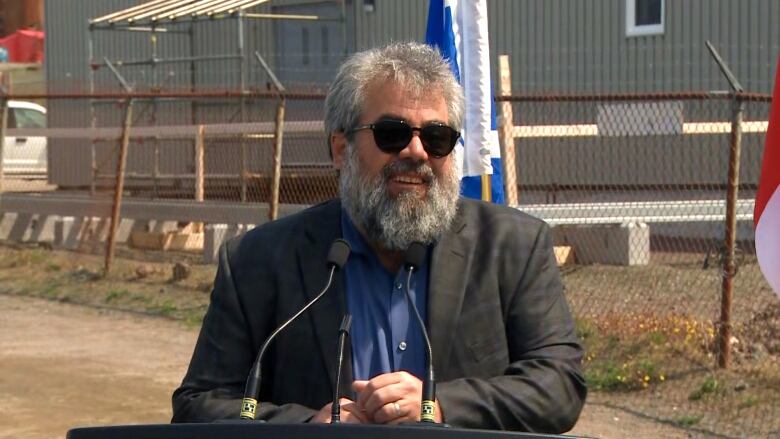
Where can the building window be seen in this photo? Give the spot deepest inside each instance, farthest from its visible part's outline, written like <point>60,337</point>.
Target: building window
<point>644,17</point>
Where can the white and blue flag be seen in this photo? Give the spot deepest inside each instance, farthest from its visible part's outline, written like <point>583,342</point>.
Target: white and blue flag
<point>459,29</point>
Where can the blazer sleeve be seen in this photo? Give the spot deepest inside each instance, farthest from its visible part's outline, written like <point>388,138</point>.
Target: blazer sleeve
<point>214,384</point>
<point>542,389</point>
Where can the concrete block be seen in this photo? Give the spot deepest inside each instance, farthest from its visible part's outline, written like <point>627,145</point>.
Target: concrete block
<point>163,226</point>
<point>20,227</point>
<point>43,228</point>
<point>27,227</point>
<point>6,224</point>
<point>215,235</point>
<point>126,225</point>
<point>65,233</point>
<point>615,244</point>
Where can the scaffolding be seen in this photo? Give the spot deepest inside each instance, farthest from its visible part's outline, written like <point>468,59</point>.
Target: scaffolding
<point>159,18</point>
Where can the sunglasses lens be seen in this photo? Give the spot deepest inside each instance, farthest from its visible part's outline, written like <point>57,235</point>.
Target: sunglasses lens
<point>392,136</point>
<point>439,140</point>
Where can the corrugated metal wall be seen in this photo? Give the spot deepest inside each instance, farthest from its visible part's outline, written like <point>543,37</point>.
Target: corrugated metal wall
<point>555,46</point>
<point>67,70</point>
<point>390,20</point>
<point>581,46</point>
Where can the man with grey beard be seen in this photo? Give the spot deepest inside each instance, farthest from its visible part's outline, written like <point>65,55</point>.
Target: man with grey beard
<point>502,336</point>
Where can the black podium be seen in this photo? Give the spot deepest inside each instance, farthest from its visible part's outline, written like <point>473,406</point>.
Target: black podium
<point>257,430</point>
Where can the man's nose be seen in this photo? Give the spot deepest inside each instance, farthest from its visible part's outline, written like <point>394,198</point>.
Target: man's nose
<point>414,149</point>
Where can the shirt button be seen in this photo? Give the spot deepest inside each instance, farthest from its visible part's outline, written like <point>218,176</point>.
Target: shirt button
<point>402,346</point>
<point>398,286</point>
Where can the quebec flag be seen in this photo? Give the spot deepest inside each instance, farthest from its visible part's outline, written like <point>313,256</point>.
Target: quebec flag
<point>459,29</point>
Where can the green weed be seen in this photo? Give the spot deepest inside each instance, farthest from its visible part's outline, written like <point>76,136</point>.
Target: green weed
<point>748,401</point>
<point>687,420</point>
<point>115,295</point>
<point>709,386</point>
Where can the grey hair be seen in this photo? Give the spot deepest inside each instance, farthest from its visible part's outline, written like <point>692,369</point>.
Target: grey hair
<point>416,67</point>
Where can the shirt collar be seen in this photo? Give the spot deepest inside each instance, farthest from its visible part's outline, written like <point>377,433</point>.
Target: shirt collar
<point>351,234</point>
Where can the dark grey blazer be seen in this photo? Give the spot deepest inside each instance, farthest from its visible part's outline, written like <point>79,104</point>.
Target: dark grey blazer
<point>504,347</point>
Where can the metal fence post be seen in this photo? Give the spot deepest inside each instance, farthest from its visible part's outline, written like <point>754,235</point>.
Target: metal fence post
<point>273,211</point>
<point>120,173</point>
<point>200,170</point>
<point>3,128</point>
<point>120,186</point>
<point>729,267</point>
<point>276,178</point>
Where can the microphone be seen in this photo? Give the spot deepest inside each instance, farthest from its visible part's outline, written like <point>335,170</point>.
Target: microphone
<point>335,413</point>
<point>337,257</point>
<point>415,256</point>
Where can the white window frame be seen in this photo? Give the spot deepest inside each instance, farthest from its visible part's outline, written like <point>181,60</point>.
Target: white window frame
<point>632,30</point>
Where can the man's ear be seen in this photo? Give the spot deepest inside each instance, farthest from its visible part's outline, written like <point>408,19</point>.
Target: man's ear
<point>338,147</point>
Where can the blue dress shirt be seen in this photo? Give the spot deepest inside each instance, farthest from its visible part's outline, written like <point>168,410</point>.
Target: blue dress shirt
<point>385,334</point>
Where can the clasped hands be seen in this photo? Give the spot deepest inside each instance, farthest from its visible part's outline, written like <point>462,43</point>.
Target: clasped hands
<point>390,398</point>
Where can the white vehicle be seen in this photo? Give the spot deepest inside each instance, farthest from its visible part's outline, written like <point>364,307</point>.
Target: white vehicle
<point>25,155</point>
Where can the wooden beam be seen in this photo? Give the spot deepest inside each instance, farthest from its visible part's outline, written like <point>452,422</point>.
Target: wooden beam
<point>506,133</point>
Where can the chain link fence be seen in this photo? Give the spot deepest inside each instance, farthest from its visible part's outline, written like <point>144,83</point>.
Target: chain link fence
<point>634,186</point>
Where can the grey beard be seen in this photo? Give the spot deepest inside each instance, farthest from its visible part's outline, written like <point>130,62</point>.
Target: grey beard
<point>391,223</point>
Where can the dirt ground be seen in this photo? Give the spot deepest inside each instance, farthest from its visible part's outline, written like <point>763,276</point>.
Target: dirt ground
<point>64,365</point>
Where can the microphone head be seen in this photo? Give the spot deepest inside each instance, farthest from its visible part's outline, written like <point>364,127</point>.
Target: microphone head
<point>338,254</point>
<point>346,323</point>
<point>415,255</point>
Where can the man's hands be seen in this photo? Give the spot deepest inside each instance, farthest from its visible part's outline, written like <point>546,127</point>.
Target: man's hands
<point>391,398</point>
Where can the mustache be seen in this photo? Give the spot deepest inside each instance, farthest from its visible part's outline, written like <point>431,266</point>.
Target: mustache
<point>422,169</point>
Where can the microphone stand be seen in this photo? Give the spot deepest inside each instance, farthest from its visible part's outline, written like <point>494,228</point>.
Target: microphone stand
<point>337,257</point>
<point>335,414</point>
<point>428,404</point>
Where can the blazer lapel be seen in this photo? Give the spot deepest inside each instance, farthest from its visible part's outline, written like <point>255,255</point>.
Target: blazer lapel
<point>326,314</point>
<point>447,285</point>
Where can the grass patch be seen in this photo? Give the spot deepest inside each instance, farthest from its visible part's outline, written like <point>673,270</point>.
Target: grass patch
<point>606,376</point>
<point>634,351</point>
<point>113,295</point>
<point>748,401</point>
<point>708,387</point>
<point>657,337</point>
<point>193,319</point>
<point>35,257</point>
<point>140,298</point>
<point>166,308</point>
<point>687,420</point>
<point>584,329</point>
<point>50,289</point>
<point>626,353</point>
<point>51,267</point>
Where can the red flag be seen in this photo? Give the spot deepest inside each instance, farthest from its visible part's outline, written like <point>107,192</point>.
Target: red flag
<point>767,213</point>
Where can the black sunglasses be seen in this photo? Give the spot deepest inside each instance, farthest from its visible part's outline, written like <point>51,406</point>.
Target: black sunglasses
<point>392,136</point>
